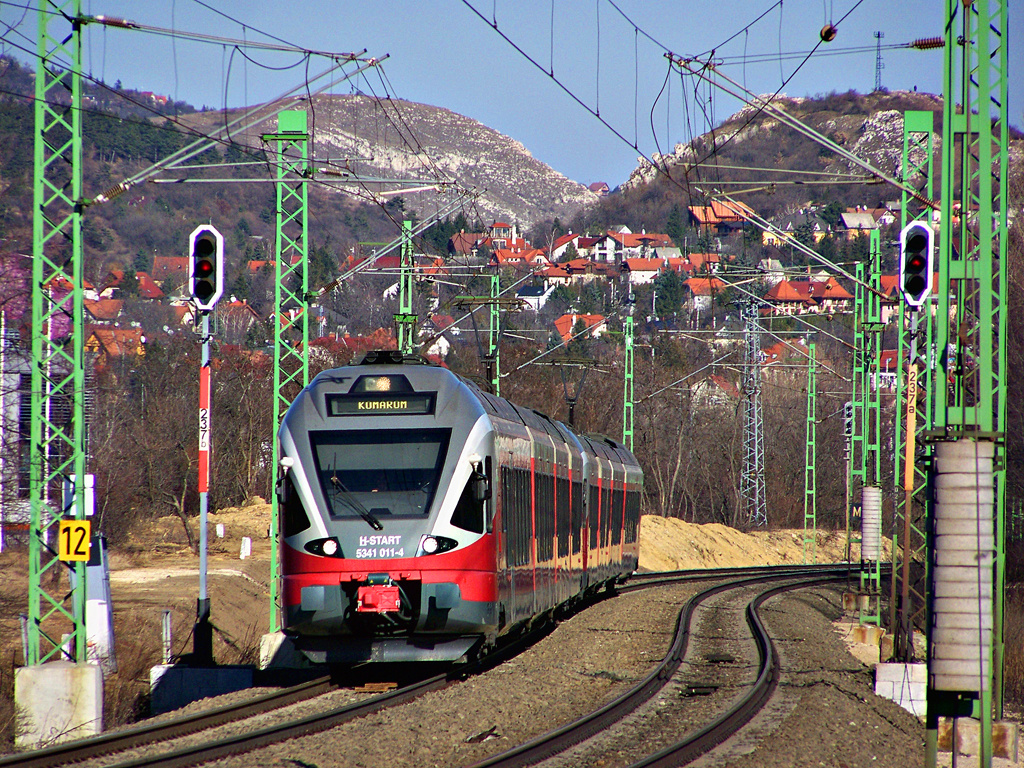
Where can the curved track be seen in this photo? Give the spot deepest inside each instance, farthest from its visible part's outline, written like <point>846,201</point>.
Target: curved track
<point>531,752</point>
<point>561,739</point>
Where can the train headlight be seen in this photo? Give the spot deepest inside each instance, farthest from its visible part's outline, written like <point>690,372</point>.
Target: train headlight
<point>325,547</point>
<point>432,545</point>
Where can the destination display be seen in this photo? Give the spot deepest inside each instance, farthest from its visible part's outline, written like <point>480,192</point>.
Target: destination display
<point>413,403</point>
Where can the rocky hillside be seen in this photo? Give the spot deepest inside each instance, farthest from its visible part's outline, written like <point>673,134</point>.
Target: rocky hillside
<point>403,139</point>
<point>870,126</point>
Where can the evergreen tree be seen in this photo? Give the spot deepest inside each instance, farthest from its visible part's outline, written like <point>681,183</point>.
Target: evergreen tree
<point>670,291</point>
<point>129,285</point>
<point>675,225</point>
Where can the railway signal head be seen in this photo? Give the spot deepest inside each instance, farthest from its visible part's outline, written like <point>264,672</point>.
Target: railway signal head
<point>917,249</point>
<point>205,266</point>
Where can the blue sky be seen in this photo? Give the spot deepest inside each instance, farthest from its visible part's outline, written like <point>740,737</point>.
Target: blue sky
<point>442,53</point>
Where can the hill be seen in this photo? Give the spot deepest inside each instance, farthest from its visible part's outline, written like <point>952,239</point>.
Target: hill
<point>392,138</point>
<point>126,131</point>
<point>749,145</point>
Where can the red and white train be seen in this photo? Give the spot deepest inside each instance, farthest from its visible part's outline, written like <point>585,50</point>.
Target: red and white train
<point>424,518</point>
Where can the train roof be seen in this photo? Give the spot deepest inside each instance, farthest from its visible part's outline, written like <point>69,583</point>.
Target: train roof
<point>502,408</point>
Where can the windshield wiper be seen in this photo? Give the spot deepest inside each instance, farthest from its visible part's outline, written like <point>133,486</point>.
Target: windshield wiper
<point>353,502</point>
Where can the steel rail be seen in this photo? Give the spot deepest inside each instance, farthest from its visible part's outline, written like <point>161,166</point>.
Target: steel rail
<point>747,706</point>
<point>144,734</point>
<point>560,739</point>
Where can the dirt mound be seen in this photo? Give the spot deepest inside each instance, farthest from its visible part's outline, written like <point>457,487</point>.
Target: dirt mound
<point>667,544</point>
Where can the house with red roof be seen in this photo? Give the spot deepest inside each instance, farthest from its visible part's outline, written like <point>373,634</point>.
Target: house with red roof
<point>720,218</point>
<point>561,244</point>
<point>892,298</point>
<point>680,264</point>
<point>599,188</point>
<point>113,344</point>
<point>798,297</point>
<point>641,271</point>
<point>715,392</point>
<point>169,266</point>
<point>785,300</point>
<point>505,257</point>
<point>103,311</point>
<point>585,245</point>
<point>783,352</point>
<point>236,318</point>
<point>702,292</point>
<point>501,235</point>
<point>621,243</point>
<point>889,373</point>
<point>146,287</point>
<point>555,275</point>
<point>465,243</point>
<point>595,325</point>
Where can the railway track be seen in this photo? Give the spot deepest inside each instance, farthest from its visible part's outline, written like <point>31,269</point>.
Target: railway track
<point>702,741</point>
<point>144,735</point>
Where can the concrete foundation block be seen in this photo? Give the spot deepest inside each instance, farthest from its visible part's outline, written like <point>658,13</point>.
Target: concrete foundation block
<point>867,634</point>
<point>905,684</point>
<point>172,686</point>
<point>1005,737</point>
<point>886,647</point>
<point>277,651</point>
<point>56,702</point>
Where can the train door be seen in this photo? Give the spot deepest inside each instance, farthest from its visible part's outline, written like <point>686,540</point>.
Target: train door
<point>508,506</point>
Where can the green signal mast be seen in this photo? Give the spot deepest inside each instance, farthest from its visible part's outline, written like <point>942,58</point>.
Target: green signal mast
<point>57,442</point>
<point>291,301</point>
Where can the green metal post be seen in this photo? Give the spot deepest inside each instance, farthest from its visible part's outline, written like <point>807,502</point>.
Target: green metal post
<point>908,596</point>
<point>291,307</point>
<point>811,459</point>
<point>627,389</point>
<point>871,411</point>
<point>855,462</point>
<point>971,321</point>
<point>494,331</point>
<point>405,319</point>
<point>57,442</point>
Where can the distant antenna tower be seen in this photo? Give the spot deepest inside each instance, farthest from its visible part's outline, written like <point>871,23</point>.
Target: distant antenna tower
<point>879,66</point>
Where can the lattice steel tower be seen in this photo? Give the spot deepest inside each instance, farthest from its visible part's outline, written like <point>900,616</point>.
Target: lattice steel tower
<point>879,66</point>
<point>752,497</point>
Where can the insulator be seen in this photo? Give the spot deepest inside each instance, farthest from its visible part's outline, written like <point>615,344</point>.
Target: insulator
<point>828,33</point>
<point>115,21</point>
<point>924,43</point>
<point>114,191</point>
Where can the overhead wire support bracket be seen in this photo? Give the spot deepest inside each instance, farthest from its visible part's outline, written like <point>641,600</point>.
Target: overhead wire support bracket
<point>768,105</point>
<point>250,118</point>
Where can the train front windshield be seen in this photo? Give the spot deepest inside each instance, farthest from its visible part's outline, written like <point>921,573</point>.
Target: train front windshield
<point>376,474</point>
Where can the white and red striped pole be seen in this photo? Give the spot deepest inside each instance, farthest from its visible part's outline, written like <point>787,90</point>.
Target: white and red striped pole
<point>202,646</point>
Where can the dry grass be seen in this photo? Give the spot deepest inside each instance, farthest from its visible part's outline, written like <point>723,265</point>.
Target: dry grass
<point>1013,636</point>
<point>7,719</point>
<point>126,692</point>
<point>244,649</point>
